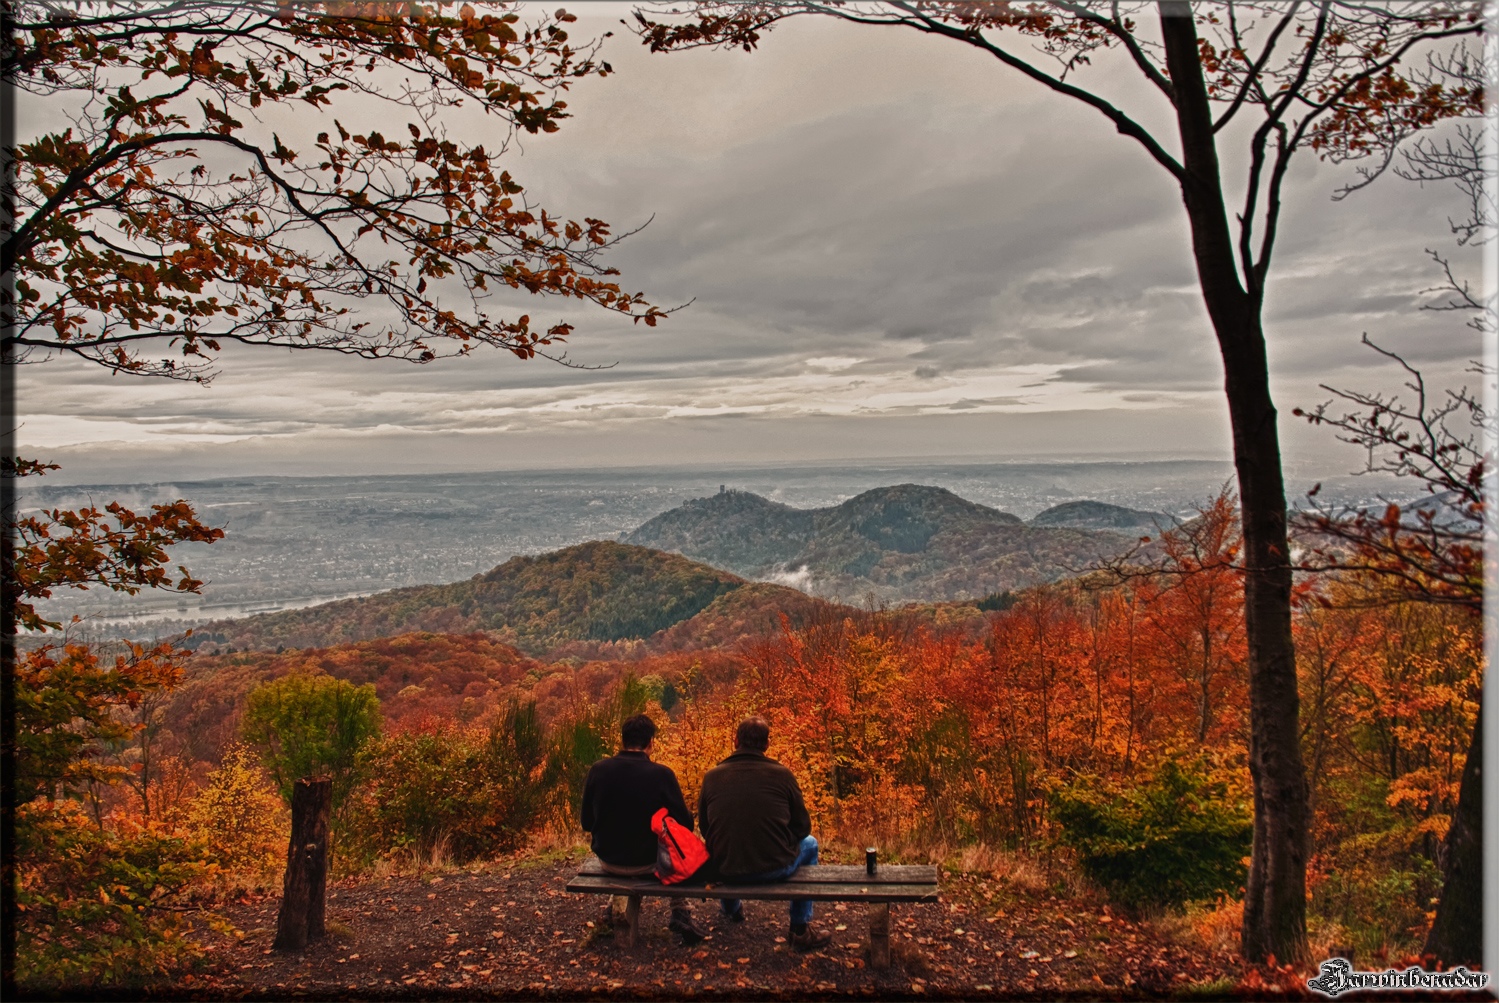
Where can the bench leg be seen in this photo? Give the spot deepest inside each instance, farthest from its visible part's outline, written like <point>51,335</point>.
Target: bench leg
<point>632,922</point>
<point>879,935</point>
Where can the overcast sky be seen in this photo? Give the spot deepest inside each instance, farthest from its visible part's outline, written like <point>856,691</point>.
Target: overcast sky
<point>894,247</point>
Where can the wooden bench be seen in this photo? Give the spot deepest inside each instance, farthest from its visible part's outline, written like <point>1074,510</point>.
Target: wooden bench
<point>818,882</point>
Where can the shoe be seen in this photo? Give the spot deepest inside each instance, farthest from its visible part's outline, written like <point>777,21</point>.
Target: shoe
<point>811,940</point>
<point>688,929</point>
<point>604,925</point>
<point>737,916</point>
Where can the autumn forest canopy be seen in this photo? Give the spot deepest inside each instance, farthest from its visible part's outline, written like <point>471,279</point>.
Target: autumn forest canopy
<point>1066,719</point>
<point>1259,724</point>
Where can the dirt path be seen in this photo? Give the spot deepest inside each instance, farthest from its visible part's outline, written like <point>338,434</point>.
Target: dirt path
<point>509,930</point>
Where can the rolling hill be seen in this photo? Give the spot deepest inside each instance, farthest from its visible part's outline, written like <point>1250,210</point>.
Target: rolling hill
<point>593,592</point>
<point>1101,515</point>
<point>898,544</point>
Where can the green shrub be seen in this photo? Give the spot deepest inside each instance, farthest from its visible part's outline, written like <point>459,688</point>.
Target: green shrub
<point>458,793</point>
<point>1379,900</point>
<point>576,744</point>
<point>1177,837</point>
<point>1377,875</point>
<point>312,725</point>
<point>997,602</point>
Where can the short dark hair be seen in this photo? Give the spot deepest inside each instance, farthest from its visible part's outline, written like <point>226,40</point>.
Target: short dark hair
<point>753,734</point>
<point>637,731</point>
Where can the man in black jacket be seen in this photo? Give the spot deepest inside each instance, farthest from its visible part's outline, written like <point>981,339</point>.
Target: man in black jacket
<point>620,795</point>
<point>757,827</point>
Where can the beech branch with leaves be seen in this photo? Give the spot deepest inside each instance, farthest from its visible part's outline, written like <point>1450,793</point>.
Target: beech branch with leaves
<point>170,212</point>
<point>116,548</point>
<point>1432,550</point>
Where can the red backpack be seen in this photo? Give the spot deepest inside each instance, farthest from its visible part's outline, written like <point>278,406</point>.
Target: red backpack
<point>679,853</point>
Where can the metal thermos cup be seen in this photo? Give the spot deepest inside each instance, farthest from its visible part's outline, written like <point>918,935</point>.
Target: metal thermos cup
<point>869,860</point>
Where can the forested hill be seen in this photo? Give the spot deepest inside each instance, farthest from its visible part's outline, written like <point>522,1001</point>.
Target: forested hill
<point>1101,515</point>
<point>904,543</point>
<point>593,592</point>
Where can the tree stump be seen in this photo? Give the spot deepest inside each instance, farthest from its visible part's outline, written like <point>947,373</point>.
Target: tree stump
<point>305,889</point>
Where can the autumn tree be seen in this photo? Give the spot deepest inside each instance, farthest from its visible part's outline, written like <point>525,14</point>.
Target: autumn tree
<point>1440,549</point>
<point>1431,552</point>
<point>64,703</point>
<point>1261,83</point>
<point>65,698</point>
<point>1196,609</point>
<point>240,817</point>
<point>192,188</point>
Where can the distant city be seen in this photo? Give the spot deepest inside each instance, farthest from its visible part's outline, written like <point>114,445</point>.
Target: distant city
<point>297,541</point>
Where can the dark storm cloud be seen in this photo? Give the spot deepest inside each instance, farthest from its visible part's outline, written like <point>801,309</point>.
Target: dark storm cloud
<point>831,230</point>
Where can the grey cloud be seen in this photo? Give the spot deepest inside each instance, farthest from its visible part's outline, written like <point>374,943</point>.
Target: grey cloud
<point>854,194</point>
<point>927,333</point>
<point>1137,372</point>
<point>968,404</point>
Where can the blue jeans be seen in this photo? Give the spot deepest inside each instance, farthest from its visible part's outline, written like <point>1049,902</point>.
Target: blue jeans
<point>801,909</point>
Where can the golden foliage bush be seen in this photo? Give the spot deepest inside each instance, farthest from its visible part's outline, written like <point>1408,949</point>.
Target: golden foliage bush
<point>241,818</point>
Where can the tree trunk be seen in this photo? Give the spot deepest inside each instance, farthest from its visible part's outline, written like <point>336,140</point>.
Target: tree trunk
<point>305,888</point>
<point>1275,895</point>
<point>1456,936</point>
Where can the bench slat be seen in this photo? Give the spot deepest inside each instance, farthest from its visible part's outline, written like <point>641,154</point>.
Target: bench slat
<point>779,891</point>
<point>887,874</point>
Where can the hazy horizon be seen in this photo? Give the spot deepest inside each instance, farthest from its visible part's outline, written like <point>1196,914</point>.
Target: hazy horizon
<point>296,540</point>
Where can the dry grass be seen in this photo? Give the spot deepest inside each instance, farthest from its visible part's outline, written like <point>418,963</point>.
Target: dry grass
<point>1203,927</point>
<point>1326,938</point>
<point>382,868</point>
<point>554,839</point>
<point>439,858</point>
<point>1215,928</point>
<point>1022,870</point>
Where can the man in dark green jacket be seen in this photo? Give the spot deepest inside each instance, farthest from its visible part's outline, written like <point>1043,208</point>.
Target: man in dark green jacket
<point>757,827</point>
